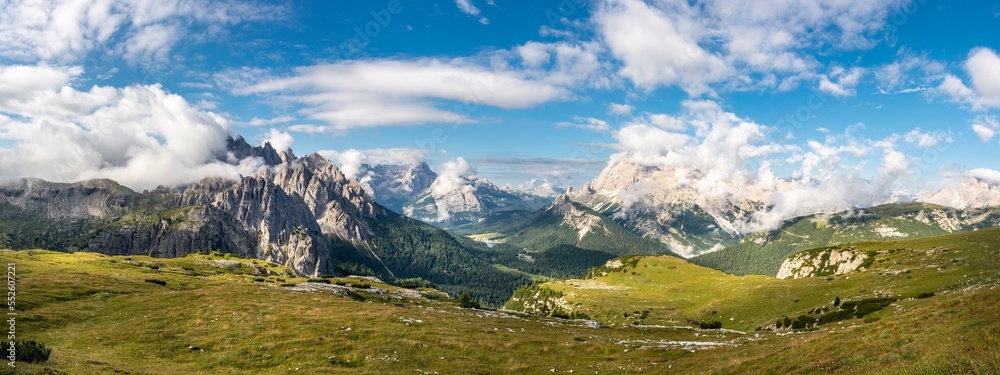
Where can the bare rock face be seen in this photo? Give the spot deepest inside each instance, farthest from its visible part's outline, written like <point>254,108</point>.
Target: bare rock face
<point>94,198</point>
<point>284,214</point>
<point>973,192</point>
<point>394,186</point>
<point>822,262</point>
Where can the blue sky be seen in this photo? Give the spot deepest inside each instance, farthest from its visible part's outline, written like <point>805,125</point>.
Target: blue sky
<point>521,89</point>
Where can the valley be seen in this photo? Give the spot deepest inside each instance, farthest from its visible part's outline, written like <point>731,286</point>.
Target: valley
<point>220,313</point>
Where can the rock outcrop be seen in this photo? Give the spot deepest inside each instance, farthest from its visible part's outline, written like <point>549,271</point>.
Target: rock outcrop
<point>822,262</point>
<point>284,214</point>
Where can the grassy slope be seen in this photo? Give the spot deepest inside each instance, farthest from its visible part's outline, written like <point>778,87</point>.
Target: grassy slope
<point>749,257</point>
<point>99,316</point>
<point>674,291</point>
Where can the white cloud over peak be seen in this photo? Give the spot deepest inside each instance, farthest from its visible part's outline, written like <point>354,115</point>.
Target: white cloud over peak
<point>350,161</point>
<point>723,156</point>
<point>280,140</point>
<point>351,94</point>
<point>138,31</point>
<point>59,133</point>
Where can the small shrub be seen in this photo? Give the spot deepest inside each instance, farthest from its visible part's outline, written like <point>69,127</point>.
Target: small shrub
<point>288,284</point>
<point>315,280</point>
<point>925,295</point>
<point>157,282</point>
<point>188,268</point>
<point>339,283</point>
<point>836,301</point>
<point>715,324</point>
<point>31,351</point>
<point>258,279</point>
<point>466,302</point>
<point>362,286</point>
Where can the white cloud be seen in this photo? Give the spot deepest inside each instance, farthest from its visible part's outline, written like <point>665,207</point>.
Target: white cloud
<point>281,141</point>
<point>847,81</point>
<point>565,63</point>
<point>915,71</point>
<point>351,161</point>
<point>534,54</point>
<point>467,7</point>
<point>734,44</point>
<point>453,175</point>
<point>351,94</point>
<point>983,68</point>
<point>588,123</point>
<point>254,122</point>
<point>921,139</point>
<point>659,47</point>
<point>59,133</point>
<point>985,127</point>
<point>620,109</point>
<point>139,31</point>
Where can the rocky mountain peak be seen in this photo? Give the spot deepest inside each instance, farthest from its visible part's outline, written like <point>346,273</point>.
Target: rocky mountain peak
<point>972,192</point>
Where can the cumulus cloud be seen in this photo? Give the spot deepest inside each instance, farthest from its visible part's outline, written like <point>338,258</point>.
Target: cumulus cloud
<point>139,31</point>
<point>280,140</point>
<point>620,109</point>
<point>735,44</point>
<point>140,136</point>
<point>454,175</point>
<point>352,161</point>
<point>565,63</point>
<point>351,94</point>
<point>983,69</point>
<point>930,139</point>
<point>985,127</point>
<point>846,81</point>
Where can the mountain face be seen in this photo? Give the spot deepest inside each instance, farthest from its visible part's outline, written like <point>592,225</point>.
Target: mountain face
<point>565,222</point>
<point>393,186</point>
<point>661,204</point>
<point>284,214</point>
<point>973,192</point>
<point>456,201</point>
<point>763,253</point>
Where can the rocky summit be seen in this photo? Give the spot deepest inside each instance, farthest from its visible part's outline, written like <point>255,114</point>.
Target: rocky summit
<point>286,213</point>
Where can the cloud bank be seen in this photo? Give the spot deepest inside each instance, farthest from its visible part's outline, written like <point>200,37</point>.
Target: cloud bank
<point>140,136</point>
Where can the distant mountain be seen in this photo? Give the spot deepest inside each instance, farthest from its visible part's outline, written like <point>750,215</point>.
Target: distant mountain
<point>763,253</point>
<point>394,186</point>
<point>565,222</point>
<point>468,201</point>
<point>972,192</point>
<point>654,202</point>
